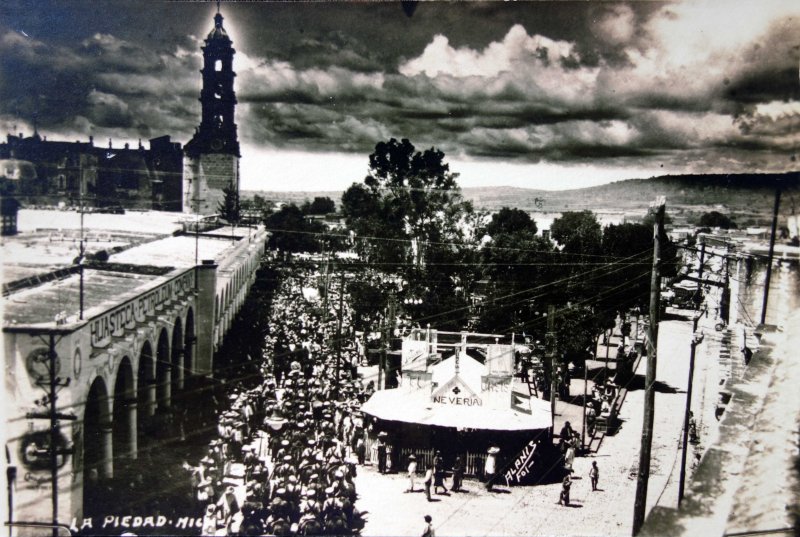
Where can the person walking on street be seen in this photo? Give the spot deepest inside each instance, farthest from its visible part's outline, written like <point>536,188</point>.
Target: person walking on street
<point>594,475</point>
<point>412,472</point>
<point>563,498</point>
<point>428,483</point>
<point>569,456</point>
<point>428,531</point>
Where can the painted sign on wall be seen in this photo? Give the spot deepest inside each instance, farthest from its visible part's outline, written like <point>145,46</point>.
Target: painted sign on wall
<point>115,322</point>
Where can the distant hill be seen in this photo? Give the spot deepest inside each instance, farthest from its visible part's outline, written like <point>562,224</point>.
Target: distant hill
<point>749,197</point>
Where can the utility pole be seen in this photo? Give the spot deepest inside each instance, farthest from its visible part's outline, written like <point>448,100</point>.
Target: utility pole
<point>82,245</point>
<point>52,384</point>
<point>696,340</point>
<point>700,272</point>
<point>643,477</point>
<point>585,395</point>
<point>339,329</point>
<point>54,431</point>
<point>771,252</point>
<point>552,353</point>
<point>382,353</point>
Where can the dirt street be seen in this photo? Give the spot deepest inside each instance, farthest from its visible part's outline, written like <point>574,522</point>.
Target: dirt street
<point>534,510</point>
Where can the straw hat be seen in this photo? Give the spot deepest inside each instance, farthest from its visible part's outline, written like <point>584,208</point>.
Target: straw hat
<point>493,450</point>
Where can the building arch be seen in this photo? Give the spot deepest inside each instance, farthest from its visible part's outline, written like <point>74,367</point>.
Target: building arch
<point>146,394</point>
<point>163,376</point>
<point>98,464</point>
<point>177,356</point>
<point>188,344</point>
<point>124,411</point>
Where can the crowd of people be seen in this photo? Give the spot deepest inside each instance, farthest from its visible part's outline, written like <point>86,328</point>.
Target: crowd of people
<point>293,439</point>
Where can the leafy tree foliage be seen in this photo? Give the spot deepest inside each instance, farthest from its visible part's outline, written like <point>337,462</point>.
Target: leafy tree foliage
<point>320,205</point>
<point>515,260</point>
<point>229,208</point>
<point>620,243</point>
<point>578,232</point>
<point>717,219</point>
<point>409,215</point>
<point>291,232</point>
<point>409,197</point>
<point>509,220</point>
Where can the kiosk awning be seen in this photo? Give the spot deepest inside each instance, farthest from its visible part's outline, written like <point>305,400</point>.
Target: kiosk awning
<point>419,408</point>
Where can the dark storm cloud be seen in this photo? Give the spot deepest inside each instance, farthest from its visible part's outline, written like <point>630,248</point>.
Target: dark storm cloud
<point>521,81</point>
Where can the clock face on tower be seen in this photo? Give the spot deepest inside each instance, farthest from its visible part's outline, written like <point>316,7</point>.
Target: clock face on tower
<point>216,144</point>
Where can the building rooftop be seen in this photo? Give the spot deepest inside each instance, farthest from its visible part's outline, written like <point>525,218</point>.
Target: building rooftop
<point>174,251</point>
<point>102,290</point>
<point>143,250</point>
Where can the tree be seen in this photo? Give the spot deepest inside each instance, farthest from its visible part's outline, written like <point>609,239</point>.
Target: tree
<point>578,232</point>
<point>716,219</point>
<point>509,220</point>
<point>629,248</point>
<point>320,205</point>
<point>516,262</point>
<point>291,232</point>
<point>408,195</point>
<point>408,217</point>
<point>229,208</point>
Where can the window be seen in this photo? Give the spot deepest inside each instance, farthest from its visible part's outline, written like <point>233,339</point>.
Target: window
<point>218,65</point>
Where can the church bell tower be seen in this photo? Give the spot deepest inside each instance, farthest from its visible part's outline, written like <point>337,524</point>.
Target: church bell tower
<point>212,162</point>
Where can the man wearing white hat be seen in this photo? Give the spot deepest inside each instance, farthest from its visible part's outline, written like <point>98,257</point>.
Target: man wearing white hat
<point>412,471</point>
<point>490,468</point>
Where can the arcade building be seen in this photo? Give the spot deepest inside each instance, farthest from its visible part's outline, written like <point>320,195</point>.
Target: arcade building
<point>131,341</point>
<point>112,328</point>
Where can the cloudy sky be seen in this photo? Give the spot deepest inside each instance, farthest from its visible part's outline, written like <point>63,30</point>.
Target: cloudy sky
<point>535,94</point>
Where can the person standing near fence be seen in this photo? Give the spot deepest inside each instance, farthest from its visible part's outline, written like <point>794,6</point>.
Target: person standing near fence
<point>412,472</point>
<point>381,448</point>
<point>490,468</point>
<point>458,474</point>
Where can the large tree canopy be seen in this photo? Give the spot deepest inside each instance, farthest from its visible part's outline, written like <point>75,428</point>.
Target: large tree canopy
<point>291,232</point>
<point>517,263</point>
<point>717,219</point>
<point>578,232</point>
<point>410,196</point>
<point>409,218</point>
<point>320,205</point>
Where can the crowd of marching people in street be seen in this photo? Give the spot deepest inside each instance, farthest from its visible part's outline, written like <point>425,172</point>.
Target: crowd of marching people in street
<point>294,438</point>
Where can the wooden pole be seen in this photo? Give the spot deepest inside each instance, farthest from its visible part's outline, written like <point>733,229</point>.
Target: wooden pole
<point>54,431</point>
<point>552,353</point>
<point>339,329</point>
<point>585,395</point>
<point>695,342</point>
<point>643,477</point>
<point>771,253</point>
